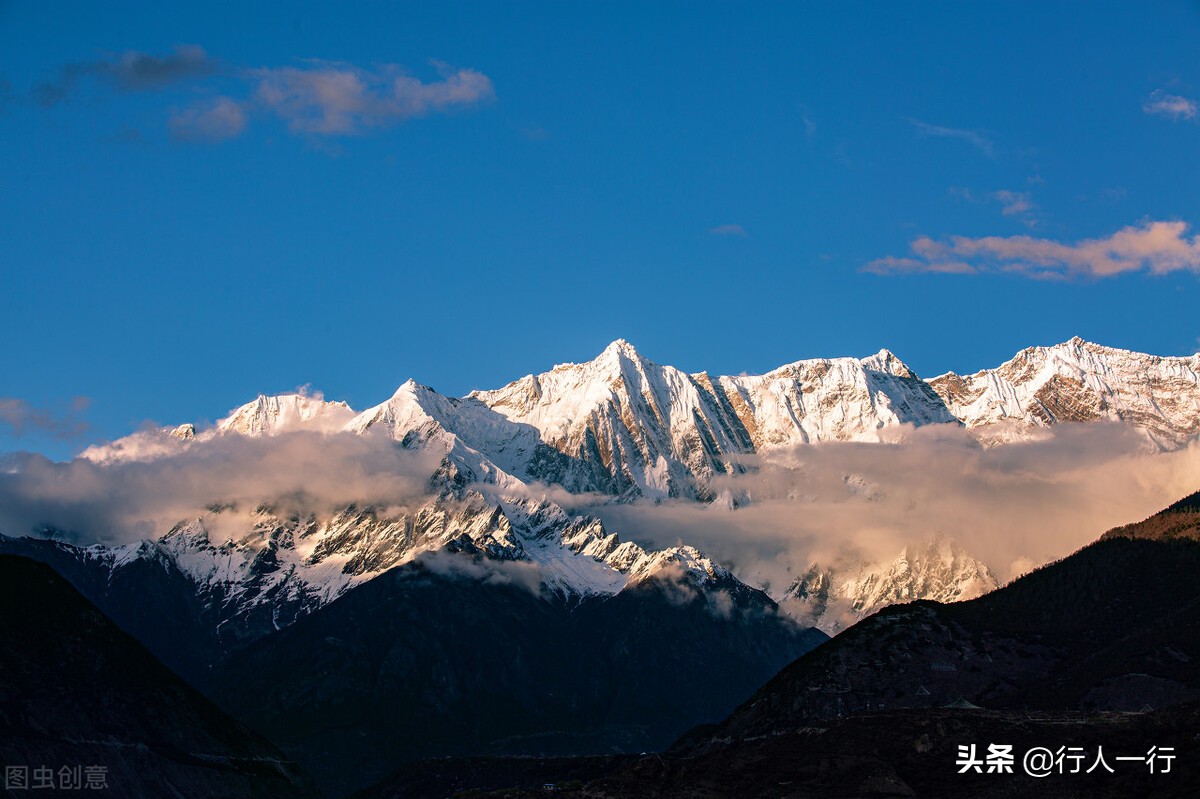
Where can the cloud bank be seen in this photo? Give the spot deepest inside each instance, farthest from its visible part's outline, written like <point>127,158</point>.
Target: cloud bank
<point>1154,247</point>
<point>1011,506</point>
<point>120,501</point>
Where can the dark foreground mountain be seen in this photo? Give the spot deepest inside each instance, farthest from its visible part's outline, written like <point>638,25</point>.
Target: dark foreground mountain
<point>1099,649</point>
<point>896,754</point>
<point>417,664</point>
<point>180,624</point>
<point>899,755</point>
<point>84,700</point>
<point>1115,626</point>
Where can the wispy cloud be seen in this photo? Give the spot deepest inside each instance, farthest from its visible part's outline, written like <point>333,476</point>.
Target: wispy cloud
<point>22,418</point>
<point>129,71</point>
<point>208,121</point>
<point>728,230</point>
<point>1171,106</point>
<point>533,133</point>
<point>313,98</point>
<point>1012,203</point>
<point>972,137</point>
<point>810,125</point>
<point>1155,247</point>
<point>341,99</point>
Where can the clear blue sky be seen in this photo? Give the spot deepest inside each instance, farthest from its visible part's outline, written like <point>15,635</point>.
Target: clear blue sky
<point>201,203</point>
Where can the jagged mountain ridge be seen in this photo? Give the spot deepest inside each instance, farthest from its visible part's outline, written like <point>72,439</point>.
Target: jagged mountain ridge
<point>1078,381</point>
<point>626,427</point>
<point>285,566</point>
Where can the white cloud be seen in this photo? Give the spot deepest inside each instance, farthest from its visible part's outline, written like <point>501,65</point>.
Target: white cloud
<point>1010,506</point>
<point>1155,247</point>
<point>1012,203</point>
<point>1171,106</point>
<point>126,499</point>
<point>340,99</point>
<point>315,98</point>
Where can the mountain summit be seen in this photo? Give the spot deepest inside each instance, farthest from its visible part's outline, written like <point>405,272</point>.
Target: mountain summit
<point>626,426</point>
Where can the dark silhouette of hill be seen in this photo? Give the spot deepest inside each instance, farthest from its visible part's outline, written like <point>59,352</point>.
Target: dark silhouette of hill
<point>415,664</point>
<point>77,691</point>
<point>1115,626</point>
<point>1100,648</point>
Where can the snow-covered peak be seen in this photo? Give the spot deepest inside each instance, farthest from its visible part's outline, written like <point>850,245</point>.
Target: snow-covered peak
<point>184,432</point>
<point>886,361</point>
<point>833,598</point>
<point>1079,381</point>
<point>268,416</point>
<point>412,408</point>
<point>623,425</point>
<point>626,424</point>
<point>621,348</point>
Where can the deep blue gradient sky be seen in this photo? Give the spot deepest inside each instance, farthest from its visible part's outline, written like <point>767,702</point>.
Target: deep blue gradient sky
<point>169,279</point>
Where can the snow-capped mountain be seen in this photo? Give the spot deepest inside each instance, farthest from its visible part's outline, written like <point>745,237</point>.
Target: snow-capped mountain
<point>268,416</point>
<point>833,598</point>
<point>1078,381</point>
<point>628,425</point>
<point>623,426</point>
<point>620,424</point>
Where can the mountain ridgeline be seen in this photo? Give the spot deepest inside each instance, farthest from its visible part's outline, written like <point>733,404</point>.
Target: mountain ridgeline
<point>625,426</point>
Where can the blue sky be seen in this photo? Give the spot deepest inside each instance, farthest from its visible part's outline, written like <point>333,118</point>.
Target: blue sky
<point>203,203</point>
